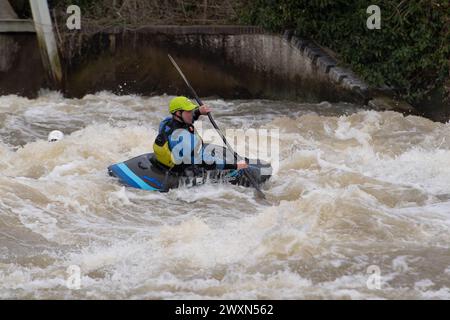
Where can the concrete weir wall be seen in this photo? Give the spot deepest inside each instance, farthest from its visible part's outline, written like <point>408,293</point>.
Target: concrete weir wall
<point>6,11</point>
<point>21,69</point>
<point>227,61</point>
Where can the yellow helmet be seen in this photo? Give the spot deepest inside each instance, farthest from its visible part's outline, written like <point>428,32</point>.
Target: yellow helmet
<point>181,103</point>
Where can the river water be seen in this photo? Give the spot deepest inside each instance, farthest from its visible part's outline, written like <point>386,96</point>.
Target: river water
<point>359,206</point>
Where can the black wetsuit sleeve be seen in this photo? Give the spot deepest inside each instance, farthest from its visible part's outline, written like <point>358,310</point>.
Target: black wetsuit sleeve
<point>213,166</point>
<point>196,114</point>
<point>228,166</point>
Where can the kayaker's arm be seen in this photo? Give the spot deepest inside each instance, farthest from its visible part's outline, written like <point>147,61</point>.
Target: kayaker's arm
<point>201,156</point>
<point>218,166</point>
<point>210,162</point>
<point>202,110</point>
<point>196,114</point>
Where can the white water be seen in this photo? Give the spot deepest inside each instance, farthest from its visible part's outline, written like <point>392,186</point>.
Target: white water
<point>355,188</point>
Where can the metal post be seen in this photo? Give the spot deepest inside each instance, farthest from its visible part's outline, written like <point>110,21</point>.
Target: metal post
<point>46,40</point>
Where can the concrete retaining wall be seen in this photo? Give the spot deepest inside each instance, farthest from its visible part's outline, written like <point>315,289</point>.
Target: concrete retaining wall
<point>232,62</point>
<point>225,61</point>
<point>21,69</point>
<point>6,11</point>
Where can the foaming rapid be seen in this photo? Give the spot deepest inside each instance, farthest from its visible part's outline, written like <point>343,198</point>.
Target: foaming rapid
<point>355,191</point>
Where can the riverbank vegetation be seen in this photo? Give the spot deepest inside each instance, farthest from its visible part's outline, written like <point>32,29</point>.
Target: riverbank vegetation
<point>410,53</point>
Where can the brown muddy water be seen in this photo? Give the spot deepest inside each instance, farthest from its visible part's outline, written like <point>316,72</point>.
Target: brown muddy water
<point>355,191</point>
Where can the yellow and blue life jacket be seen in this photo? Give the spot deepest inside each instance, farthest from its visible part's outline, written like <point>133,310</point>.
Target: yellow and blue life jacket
<point>167,148</point>
<point>175,138</point>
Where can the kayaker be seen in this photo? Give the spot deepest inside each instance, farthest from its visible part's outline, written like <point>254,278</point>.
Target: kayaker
<point>179,147</point>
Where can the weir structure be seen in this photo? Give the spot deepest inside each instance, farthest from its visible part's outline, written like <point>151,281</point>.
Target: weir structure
<point>232,62</point>
<point>41,26</point>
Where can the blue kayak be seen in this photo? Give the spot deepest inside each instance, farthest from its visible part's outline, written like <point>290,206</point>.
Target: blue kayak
<point>144,172</point>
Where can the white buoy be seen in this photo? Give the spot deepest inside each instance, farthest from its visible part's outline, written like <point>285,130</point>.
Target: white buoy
<point>55,135</point>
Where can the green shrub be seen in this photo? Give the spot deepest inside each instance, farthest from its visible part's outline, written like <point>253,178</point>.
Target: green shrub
<point>410,52</point>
